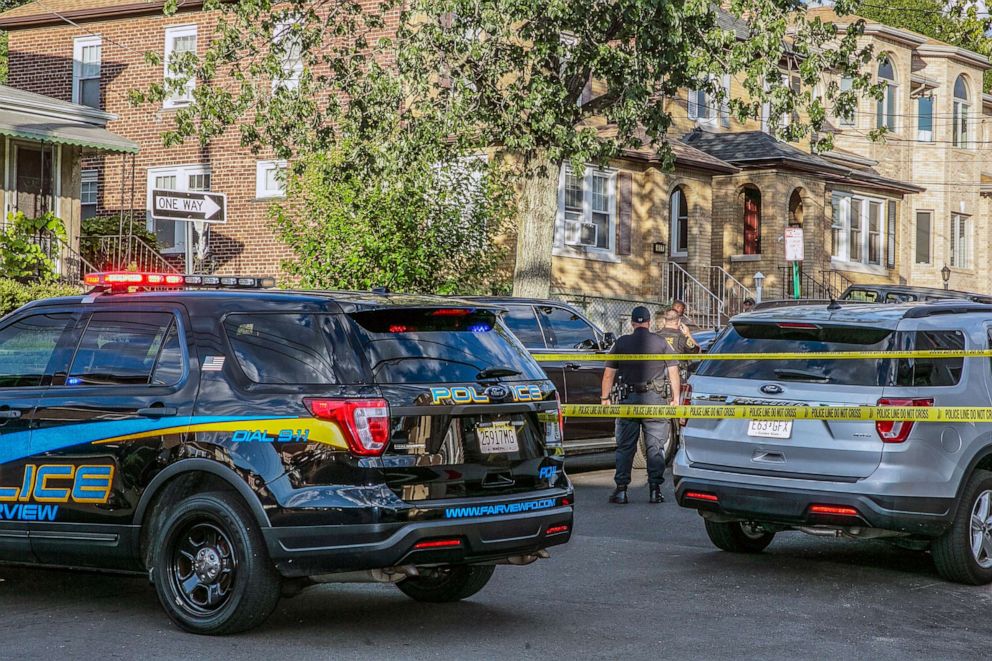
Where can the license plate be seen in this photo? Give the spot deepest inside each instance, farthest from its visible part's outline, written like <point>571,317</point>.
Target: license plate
<point>770,428</point>
<point>497,437</point>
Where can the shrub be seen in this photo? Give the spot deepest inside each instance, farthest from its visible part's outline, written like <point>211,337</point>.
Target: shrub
<point>14,294</point>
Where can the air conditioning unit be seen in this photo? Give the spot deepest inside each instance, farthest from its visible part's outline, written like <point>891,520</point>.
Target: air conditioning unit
<point>578,233</point>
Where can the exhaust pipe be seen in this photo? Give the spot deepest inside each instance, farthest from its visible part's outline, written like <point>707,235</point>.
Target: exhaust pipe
<point>520,560</point>
<point>387,575</point>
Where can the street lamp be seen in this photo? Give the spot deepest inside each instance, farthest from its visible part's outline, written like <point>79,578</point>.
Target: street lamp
<point>945,275</point>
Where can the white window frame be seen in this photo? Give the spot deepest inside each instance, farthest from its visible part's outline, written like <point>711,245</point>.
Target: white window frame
<point>887,110</point>
<point>922,135</point>
<point>290,71</point>
<point>90,176</point>
<point>78,45</point>
<point>673,223</point>
<point>263,167</point>
<point>591,252</point>
<point>960,257</point>
<point>841,228</point>
<point>701,105</point>
<point>916,234</point>
<point>171,35</point>
<point>182,174</point>
<point>846,84</point>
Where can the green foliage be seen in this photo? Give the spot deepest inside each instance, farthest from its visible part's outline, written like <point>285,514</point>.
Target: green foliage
<point>28,244</point>
<point>93,244</point>
<point>4,6</point>
<point>957,22</point>
<point>14,294</point>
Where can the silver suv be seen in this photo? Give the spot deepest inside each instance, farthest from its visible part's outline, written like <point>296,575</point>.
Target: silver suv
<point>923,485</point>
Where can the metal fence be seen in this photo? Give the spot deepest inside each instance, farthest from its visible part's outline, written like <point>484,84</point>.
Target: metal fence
<point>610,314</point>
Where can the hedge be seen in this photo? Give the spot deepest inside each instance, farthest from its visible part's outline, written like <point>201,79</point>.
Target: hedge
<point>14,294</point>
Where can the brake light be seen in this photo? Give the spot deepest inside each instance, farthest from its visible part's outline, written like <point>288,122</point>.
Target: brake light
<point>556,530</point>
<point>561,423</point>
<point>437,544</point>
<point>685,401</point>
<point>792,324</point>
<point>702,495</point>
<point>834,510</point>
<point>364,423</point>
<point>891,431</point>
<point>451,312</point>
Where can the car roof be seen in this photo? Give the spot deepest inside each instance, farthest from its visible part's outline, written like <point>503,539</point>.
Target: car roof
<point>886,315</point>
<point>502,300</point>
<point>911,289</point>
<point>348,301</point>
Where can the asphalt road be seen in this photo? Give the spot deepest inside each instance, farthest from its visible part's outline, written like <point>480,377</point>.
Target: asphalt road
<point>637,581</point>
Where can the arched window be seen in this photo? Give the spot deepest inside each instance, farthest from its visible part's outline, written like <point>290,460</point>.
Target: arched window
<point>678,213</point>
<point>752,221</point>
<point>961,110</point>
<point>886,116</point>
<point>796,209</point>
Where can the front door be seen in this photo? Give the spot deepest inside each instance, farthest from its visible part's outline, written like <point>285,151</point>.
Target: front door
<point>103,429</point>
<point>31,346</point>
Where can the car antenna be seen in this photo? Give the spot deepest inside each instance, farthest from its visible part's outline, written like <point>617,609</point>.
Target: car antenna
<point>834,305</point>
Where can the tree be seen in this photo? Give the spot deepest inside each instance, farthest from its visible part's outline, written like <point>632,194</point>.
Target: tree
<point>961,23</point>
<point>509,75</point>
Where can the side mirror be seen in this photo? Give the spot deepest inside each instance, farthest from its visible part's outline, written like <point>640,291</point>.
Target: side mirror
<point>587,345</point>
<point>609,339</point>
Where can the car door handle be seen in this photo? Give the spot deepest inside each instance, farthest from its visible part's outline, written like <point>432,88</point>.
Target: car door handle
<point>157,412</point>
<point>10,414</point>
<point>573,366</point>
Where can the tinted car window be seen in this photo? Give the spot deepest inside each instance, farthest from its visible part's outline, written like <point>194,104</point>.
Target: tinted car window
<point>119,348</point>
<point>523,322</point>
<point>28,346</point>
<point>772,338</point>
<point>413,345</point>
<point>293,348</point>
<point>564,329</point>
<point>930,371</point>
<point>169,368</point>
<point>861,295</point>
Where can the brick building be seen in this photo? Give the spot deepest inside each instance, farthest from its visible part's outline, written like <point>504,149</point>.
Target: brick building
<point>895,211</point>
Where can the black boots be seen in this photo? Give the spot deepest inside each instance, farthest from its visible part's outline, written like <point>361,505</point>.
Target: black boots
<point>619,496</point>
<point>656,496</point>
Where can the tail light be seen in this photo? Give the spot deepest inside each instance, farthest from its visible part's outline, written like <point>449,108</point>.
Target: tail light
<point>364,423</point>
<point>686,400</point>
<point>553,435</point>
<point>701,495</point>
<point>833,510</point>
<point>891,431</point>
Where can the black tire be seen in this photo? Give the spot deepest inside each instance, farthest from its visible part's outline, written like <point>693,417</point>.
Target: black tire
<point>451,583</point>
<point>210,566</point>
<point>737,538</point>
<point>953,552</point>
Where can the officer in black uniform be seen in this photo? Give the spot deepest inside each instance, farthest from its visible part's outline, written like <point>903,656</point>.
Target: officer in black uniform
<point>641,382</point>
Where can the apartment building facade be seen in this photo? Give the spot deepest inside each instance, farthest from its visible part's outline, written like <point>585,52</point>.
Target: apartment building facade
<point>892,211</point>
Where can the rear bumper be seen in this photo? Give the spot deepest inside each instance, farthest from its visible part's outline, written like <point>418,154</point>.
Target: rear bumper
<point>789,506</point>
<point>311,550</point>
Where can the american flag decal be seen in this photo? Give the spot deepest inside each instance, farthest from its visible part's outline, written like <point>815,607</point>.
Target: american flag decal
<point>213,363</point>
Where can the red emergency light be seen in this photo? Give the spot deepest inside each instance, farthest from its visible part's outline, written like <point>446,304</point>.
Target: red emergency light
<point>126,280</point>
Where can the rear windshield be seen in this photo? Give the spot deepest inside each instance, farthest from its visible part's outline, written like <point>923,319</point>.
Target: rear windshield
<point>799,338</point>
<point>414,345</point>
<point>299,349</point>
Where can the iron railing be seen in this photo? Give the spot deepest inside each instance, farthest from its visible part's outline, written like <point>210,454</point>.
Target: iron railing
<point>69,265</point>
<point>704,309</point>
<point>612,315</point>
<point>125,252</point>
<point>731,291</point>
<point>809,286</point>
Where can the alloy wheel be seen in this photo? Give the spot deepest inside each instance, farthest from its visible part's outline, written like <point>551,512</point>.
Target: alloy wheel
<point>981,530</point>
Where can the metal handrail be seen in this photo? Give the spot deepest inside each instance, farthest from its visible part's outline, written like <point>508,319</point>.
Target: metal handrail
<point>731,291</point>
<point>704,309</point>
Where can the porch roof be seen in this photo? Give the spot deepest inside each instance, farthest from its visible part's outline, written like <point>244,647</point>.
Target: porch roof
<point>41,118</point>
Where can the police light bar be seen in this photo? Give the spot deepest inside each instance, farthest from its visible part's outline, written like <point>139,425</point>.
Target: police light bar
<point>126,280</point>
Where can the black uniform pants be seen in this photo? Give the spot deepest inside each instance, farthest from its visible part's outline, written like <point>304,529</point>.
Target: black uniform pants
<point>656,435</point>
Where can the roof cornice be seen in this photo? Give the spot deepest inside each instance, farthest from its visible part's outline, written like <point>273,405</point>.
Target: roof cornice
<point>955,53</point>
<point>905,37</point>
<point>91,14</point>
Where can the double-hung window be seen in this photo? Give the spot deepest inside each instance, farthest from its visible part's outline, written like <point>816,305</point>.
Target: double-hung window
<point>287,43</point>
<point>863,230</point>
<point>587,212</point>
<point>960,241</point>
<point>924,119</point>
<point>88,189</point>
<point>847,119</point>
<point>924,224</point>
<point>886,112</point>
<point>960,120</point>
<point>707,108</point>
<point>270,179</point>
<point>172,234</point>
<point>179,42</point>
<point>86,59</point>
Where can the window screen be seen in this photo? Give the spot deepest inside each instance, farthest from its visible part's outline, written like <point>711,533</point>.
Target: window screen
<point>293,348</point>
<point>120,348</point>
<point>28,346</point>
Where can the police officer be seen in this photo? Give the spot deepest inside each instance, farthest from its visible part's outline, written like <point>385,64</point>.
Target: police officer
<point>642,382</point>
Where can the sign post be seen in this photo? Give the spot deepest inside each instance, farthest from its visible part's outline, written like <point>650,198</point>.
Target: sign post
<point>794,252</point>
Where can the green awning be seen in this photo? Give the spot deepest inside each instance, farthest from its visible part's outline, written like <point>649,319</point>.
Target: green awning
<point>36,127</point>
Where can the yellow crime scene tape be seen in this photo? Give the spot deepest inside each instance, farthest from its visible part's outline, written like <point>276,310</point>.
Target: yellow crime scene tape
<point>826,413</point>
<point>795,355</point>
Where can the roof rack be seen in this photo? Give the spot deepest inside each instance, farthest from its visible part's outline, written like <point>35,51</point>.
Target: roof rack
<point>950,306</point>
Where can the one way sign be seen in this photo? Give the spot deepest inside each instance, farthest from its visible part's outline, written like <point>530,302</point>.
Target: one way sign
<point>178,205</point>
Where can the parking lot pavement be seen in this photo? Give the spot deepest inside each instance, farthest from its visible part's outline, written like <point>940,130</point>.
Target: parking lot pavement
<point>637,581</point>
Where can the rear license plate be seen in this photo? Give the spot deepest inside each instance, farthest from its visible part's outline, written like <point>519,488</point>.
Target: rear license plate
<point>770,428</point>
<point>497,437</point>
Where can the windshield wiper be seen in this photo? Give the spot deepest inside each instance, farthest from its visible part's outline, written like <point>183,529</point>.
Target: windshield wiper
<point>498,371</point>
<point>800,375</point>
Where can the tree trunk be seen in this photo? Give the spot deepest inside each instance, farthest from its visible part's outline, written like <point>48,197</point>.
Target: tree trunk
<point>536,233</point>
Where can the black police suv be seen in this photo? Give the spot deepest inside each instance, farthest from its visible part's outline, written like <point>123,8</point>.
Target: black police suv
<point>240,445</point>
